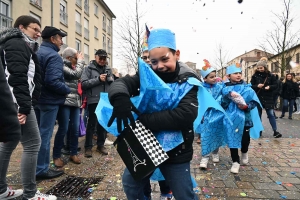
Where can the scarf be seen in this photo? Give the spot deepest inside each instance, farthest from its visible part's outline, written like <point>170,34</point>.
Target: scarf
<point>31,43</point>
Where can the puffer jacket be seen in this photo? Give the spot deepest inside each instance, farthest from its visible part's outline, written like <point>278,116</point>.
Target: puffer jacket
<point>22,68</point>
<point>290,90</point>
<point>91,84</point>
<point>72,77</point>
<point>266,97</point>
<point>180,118</point>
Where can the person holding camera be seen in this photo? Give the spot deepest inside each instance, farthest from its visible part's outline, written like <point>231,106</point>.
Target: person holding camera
<point>96,78</point>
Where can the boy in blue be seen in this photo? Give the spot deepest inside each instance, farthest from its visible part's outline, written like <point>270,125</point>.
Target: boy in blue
<point>210,83</point>
<point>239,101</point>
<point>176,170</point>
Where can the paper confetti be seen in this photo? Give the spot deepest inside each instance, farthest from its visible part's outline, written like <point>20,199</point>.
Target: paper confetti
<point>278,182</point>
<point>207,196</point>
<point>243,194</point>
<point>283,196</point>
<point>264,163</point>
<point>293,173</point>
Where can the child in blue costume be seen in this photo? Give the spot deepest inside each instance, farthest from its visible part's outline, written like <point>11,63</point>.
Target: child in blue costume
<point>176,170</point>
<point>209,128</point>
<point>239,101</point>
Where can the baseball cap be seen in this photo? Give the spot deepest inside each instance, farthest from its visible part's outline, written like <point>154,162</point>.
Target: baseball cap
<point>101,52</point>
<point>51,31</point>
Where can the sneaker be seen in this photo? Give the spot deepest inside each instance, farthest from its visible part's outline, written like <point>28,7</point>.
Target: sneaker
<point>108,142</point>
<point>235,168</point>
<point>245,159</point>
<point>11,194</point>
<point>290,118</point>
<point>88,153</point>
<point>277,134</point>
<point>282,116</point>
<point>203,163</point>
<point>215,157</point>
<point>297,112</point>
<point>168,196</point>
<point>102,150</point>
<point>40,196</point>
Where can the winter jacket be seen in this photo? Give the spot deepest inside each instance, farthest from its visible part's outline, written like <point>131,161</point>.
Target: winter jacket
<point>265,96</point>
<point>72,77</point>
<point>54,89</point>
<point>290,90</point>
<point>180,118</point>
<point>21,68</point>
<point>91,83</point>
<point>10,128</point>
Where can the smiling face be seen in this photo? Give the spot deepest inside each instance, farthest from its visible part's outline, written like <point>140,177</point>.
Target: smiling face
<point>260,68</point>
<point>289,77</point>
<point>236,77</point>
<point>163,59</point>
<point>211,78</point>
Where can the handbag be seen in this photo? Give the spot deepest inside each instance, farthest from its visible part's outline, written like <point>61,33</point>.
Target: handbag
<point>82,128</point>
<point>79,88</point>
<point>140,151</point>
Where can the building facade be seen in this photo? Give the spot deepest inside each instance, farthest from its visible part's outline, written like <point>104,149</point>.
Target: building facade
<point>88,23</point>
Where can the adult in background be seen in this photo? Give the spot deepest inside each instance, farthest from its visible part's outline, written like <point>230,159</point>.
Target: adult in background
<point>22,71</point>
<point>264,84</point>
<point>53,94</point>
<point>96,78</point>
<point>277,92</point>
<point>289,94</point>
<point>69,113</point>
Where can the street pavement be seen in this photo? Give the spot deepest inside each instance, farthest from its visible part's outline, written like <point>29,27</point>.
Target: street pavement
<point>273,171</point>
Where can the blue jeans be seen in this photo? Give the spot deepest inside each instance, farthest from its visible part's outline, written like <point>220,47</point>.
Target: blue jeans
<point>288,103</point>
<point>31,141</point>
<point>46,116</point>
<point>271,117</point>
<point>178,177</point>
<point>68,117</point>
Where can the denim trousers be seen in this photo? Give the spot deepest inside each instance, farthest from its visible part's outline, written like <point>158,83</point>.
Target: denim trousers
<point>245,145</point>
<point>288,103</point>
<point>31,141</point>
<point>164,188</point>
<point>271,117</point>
<point>177,176</point>
<point>68,118</point>
<point>90,129</point>
<point>46,116</point>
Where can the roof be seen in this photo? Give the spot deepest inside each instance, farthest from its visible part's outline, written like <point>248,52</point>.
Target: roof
<point>249,52</point>
<point>107,9</point>
<point>290,49</point>
<point>251,59</point>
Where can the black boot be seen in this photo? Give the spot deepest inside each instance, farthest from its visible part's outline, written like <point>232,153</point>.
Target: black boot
<point>277,134</point>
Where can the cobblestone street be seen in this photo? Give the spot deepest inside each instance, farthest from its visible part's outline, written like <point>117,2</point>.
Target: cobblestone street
<point>273,171</point>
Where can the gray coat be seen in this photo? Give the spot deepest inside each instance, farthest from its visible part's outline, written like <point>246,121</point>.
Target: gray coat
<point>91,84</point>
<point>72,77</point>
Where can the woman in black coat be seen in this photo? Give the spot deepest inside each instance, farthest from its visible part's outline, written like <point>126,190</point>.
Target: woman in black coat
<point>289,94</point>
<point>264,84</point>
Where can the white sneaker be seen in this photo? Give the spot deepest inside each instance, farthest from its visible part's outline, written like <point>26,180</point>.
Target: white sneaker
<point>11,194</point>
<point>245,159</point>
<point>235,168</point>
<point>215,158</point>
<point>41,196</point>
<point>297,113</point>
<point>203,163</point>
<point>108,142</point>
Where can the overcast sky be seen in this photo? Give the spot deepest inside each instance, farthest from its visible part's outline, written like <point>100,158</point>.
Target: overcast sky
<point>200,25</point>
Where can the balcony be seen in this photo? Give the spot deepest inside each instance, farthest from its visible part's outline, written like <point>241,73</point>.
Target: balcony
<point>109,49</point>
<point>36,3</point>
<point>78,28</point>
<point>104,46</point>
<point>86,8</point>
<point>86,59</point>
<point>104,26</point>
<point>5,22</point>
<point>63,17</point>
<point>78,3</point>
<point>86,34</point>
<point>109,29</point>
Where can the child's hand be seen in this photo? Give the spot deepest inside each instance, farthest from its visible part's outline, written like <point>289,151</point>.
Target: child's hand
<point>260,85</point>
<point>234,94</point>
<point>267,88</point>
<point>242,107</point>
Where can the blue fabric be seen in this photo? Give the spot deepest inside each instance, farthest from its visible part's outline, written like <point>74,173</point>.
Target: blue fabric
<point>53,89</point>
<point>233,69</point>
<point>161,38</point>
<point>204,73</point>
<point>238,116</point>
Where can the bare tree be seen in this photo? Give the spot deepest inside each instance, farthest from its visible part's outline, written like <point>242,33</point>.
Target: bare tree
<point>129,32</point>
<point>281,39</point>
<point>221,59</point>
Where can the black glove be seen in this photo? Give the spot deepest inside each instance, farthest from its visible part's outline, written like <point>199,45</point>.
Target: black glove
<point>122,111</point>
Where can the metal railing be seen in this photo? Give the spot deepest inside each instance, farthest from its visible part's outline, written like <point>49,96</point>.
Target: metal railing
<point>5,22</point>
<point>86,58</point>
<point>78,28</point>
<point>104,46</point>
<point>104,26</point>
<point>109,29</point>
<point>86,34</point>
<point>37,3</point>
<point>109,48</point>
<point>63,17</point>
<point>86,8</point>
<point>78,3</point>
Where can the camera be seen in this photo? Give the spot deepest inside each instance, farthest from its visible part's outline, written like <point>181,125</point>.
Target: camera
<point>109,77</point>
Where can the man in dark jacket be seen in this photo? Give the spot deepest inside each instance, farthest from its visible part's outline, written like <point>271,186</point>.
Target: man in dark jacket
<point>96,78</point>
<point>53,94</point>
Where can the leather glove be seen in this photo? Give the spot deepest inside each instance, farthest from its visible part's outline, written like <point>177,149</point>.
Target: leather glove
<point>122,112</point>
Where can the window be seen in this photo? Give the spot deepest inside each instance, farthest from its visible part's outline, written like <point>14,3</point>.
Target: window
<point>5,20</point>
<point>104,22</point>
<point>39,40</point>
<point>96,10</point>
<point>64,39</point>
<point>297,57</point>
<point>275,67</point>
<point>78,22</point>
<point>104,42</point>
<point>257,54</point>
<point>78,3</point>
<point>108,60</point>
<point>96,31</point>
<point>108,46</point>
<point>37,3</point>
<point>86,6</point>
<point>287,63</point>
<point>86,29</point>
<point>86,53</point>
<point>63,12</point>
<point>108,27</point>
<point>77,45</point>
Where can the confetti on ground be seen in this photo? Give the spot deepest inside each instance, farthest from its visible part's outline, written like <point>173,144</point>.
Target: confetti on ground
<point>8,175</point>
<point>293,173</point>
<point>278,182</point>
<point>255,169</point>
<point>264,163</point>
<point>289,184</point>
<point>243,194</point>
<point>283,196</point>
<point>207,196</point>
<point>267,140</point>
<point>113,198</point>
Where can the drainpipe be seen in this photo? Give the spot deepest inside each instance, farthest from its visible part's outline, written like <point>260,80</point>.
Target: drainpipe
<point>51,12</point>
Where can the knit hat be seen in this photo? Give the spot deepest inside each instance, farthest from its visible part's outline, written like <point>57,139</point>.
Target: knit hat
<point>161,38</point>
<point>206,69</point>
<point>235,68</point>
<point>262,62</point>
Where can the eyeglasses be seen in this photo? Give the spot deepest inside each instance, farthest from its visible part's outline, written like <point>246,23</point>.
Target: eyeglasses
<point>35,29</point>
<point>145,57</point>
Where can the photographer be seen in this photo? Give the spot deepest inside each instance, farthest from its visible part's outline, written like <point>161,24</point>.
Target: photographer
<point>96,78</point>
